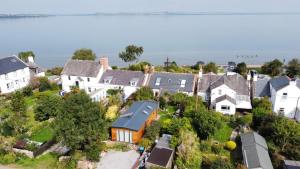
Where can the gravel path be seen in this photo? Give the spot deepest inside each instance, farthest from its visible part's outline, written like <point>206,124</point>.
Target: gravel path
<point>118,160</point>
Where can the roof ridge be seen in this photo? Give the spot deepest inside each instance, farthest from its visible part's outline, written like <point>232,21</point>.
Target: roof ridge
<point>176,73</point>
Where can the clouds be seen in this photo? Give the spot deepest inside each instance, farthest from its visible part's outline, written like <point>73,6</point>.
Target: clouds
<point>87,6</point>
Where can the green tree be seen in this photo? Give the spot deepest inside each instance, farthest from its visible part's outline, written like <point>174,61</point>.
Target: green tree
<point>188,152</point>
<point>144,93</point>
<point>44,84</point>
<point>18,119</point>
<point>84,54</point>
<point>18,104</point>
<point>131,53</point>
<point>210,67</point>
<point>142,66</point>
<point>293,68</point>
<point>206,123</point>
<point>241,68</point>
<point>47,107</point>
<point>80,125</point>
<point>24,55</point>
<point>273,68</point>
<point>153,130</point>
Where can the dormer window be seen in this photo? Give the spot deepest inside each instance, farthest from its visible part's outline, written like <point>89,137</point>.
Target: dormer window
<point>182,83</point>
<point>69,77</point>
<point>169,81</point>
<point>134,82</point>
<point>157,82</point>
<point>284,95</point>
<point>107,80</point>
<point>88,79</point>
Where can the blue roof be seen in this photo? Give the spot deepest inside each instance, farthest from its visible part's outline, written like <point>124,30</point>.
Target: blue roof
<point>280,82</point>
<point>11,64</point>
<point>262,86</point>
<point>136,115</point>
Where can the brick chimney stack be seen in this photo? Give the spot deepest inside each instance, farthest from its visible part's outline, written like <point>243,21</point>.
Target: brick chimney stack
<point>104,62</point>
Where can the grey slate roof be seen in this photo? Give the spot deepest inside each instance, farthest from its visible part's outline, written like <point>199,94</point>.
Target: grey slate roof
<point>279,82</point>
<point>206,81</point>
<point>170,82</point>
<point>225,97</point>
<point>236,82</point>
<point>123,77</point>
<point>134,118</point>
<point>255,151</point>
<point>289,164</point>
<point>84,68</point>
<point>11,64</point>
<point>262,86</point>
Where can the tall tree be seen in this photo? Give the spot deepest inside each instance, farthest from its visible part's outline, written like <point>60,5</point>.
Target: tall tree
<point>188,152</point>
<point>47,106</point>
<point>273,68</point>
<point>293,68</point>
<point>144,93</point>
<point>241,68</point>
<point>210,67</point>
<point>80,124</point>
<point>84,54</point>
<point>131,53</point>
<point>24,55</point>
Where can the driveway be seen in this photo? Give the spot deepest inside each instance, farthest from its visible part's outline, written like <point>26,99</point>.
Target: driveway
<point>118,160</point>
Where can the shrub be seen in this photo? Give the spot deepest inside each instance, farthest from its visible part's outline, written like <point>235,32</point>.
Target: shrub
<point>8,158</point>
<point>146,143</point>
<point>205,146</point>
<point>34,83</point>
<point>216,148</point>
<point>44,84</point>
<point>93,152</point>
<point>112,112</point>
<point>27,91</point>
<point>153,130</point>
<point>55,70</point>
<point>230,145</point>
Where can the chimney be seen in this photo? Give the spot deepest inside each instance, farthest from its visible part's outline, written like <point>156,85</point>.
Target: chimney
<point>200,74</point>
<point>30,59</point>
<point>249,76</point>
<point>104,62</point>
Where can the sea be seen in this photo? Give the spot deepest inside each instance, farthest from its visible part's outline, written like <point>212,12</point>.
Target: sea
<point>186,39</point>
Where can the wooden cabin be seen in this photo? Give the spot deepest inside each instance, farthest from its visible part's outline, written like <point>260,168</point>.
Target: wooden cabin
<point>130,126</point>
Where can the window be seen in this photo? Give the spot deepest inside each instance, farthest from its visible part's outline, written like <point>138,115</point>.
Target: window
<point>224,107</point>
<point>89,89</point>
<point>132,83</point>
<point>169,81</point>
<point>284,95</point>
<point>7,85</point>
<point>23,79</point>
<point>157,82</point>
<point>281,111</point>
<point>88,79</point>
<point>107,80</point>
<point>182,83</point>
<point>220,91</point>
<point>69,77</point>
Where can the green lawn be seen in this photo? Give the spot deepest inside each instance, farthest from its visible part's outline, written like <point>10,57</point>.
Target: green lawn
<point>45,133</point>
<point>223,134</point>
<point>47,161</point>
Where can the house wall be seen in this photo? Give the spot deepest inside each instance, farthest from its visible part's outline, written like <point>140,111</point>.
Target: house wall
<point>13,81</point>
<point>225,103</point>
<point>288,102</point>
<point>136,135</point>
<point>128,90</point>
<point>225,90</point>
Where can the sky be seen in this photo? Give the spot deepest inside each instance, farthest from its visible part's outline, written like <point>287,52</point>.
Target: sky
<point>91,6</point>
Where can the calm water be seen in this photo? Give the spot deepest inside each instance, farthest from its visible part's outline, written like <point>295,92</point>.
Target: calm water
<point>185,39</point>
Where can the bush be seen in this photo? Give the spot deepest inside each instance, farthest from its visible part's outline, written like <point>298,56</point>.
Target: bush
<point>44,84</point>
<point>153,130</point>
<point>216,148</point>
<point>55,70</point>
<point>27,91</point>
<point>230,145</point>
<point>8,158</point>
<point>221,164</point>
<point>112,112</point>
<point>93,152</point>
<point>205,146</point>
<point>146,143</point>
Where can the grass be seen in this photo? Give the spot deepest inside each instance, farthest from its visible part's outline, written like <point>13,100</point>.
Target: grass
<point>47,161</point>
<point>223,134</point>
<point>43,134</point>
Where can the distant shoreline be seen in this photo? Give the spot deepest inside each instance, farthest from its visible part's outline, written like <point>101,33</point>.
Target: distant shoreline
<point>147,14</point>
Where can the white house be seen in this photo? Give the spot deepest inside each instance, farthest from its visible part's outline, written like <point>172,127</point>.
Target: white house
<point>85,75</point>
<point>14,74</point>
<point>35,70</point>
<point>285,96</point>
<point>225,93</point>
<point>128,81</point>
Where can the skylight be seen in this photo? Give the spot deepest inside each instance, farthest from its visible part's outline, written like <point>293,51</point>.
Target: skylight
<point>157,82</point>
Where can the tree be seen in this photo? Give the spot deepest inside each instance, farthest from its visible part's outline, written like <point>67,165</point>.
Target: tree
<point>273,68</point>
<point>131,53</point>
<point>144,93</point>
<point>210,67</point>
<point>24,55</point>
<point>44,84</point>
<point>206,123</point>
<point>153,130</point>
<point>293,68</point>
<point>241,68</point>
<point>188,153</point>
<point>47,107</point>
<point>18,104</point>
<point>18,119</point>
<point>84,54</point>
<point>56,70</point>
<point>80,125</point>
